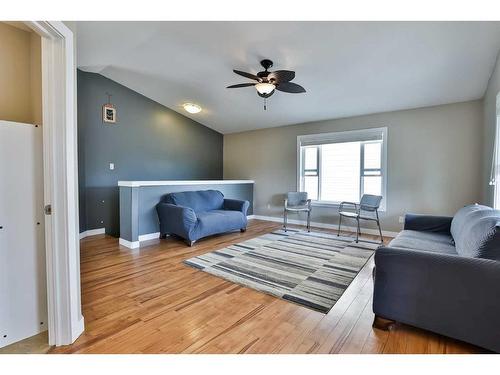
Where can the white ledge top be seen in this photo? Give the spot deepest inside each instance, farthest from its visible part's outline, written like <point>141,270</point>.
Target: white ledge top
<point>186,182</point>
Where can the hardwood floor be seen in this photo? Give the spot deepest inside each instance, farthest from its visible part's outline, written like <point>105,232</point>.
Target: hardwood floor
<point>147,301</point>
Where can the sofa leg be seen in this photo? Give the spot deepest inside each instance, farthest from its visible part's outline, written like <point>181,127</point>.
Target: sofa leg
<point>383,324</point>
<point>243,230</point>
<point>189,243</point>
<point>163,236</point>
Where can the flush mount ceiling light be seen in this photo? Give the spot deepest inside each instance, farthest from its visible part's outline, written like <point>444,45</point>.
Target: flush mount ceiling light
<point>191,107</point>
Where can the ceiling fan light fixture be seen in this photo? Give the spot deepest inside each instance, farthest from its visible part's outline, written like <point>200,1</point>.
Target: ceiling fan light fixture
<point>265,88</point>
<point>192,108</point>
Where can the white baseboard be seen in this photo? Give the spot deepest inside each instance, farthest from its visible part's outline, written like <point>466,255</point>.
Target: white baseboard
<point>92,232</point>
<point>142,238</point>
<point>324,225</point>
<point>156,235</point>
<point>129,244</point>
<point>77,329</point>
<point>149,236</point>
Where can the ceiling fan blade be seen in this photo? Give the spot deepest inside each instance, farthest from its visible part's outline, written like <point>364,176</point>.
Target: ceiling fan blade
<point>247,75</point>
<point>240,85</point>
<point>290,87</point>
<point>281,75</point>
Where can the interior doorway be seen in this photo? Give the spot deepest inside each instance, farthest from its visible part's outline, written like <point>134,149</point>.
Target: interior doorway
<point>57,228</point>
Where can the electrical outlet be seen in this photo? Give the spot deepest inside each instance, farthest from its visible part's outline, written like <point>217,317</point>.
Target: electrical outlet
<point>401,219</point>
<point>111,166</point>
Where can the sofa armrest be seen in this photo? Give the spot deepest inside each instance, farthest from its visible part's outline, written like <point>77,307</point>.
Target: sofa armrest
<point>236,205</point>
<point>176,219</point>
<point>452,295</point>
<point>428,223</point>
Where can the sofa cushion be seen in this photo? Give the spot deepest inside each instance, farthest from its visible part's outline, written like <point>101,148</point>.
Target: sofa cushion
<point>463,216</point>
<point>199,201</point>
<point>218,221</point>
<point>480,237</point>
<point>476,232</point>
<point>426,241</point>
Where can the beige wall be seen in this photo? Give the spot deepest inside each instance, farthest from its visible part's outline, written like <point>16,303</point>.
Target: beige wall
<point>434,160</point>
<point>20,75</point>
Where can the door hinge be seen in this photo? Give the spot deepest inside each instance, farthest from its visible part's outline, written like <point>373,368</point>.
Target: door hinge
<point>48,209</point>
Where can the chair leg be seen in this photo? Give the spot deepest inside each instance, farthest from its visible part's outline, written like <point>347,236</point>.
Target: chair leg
<point>357,231</point>
<point>284,219</point>
<point>340,221</point>
<point>308,221</point>
<point>380,231</point>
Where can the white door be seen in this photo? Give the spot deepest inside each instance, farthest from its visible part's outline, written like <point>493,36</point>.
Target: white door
<point>23,286</point>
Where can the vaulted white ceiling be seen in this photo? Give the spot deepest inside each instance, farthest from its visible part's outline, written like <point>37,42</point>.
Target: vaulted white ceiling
<point>347,68</point>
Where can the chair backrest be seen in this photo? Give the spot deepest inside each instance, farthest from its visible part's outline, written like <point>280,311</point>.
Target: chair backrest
<point>370,202</point>
<point>296,198</point>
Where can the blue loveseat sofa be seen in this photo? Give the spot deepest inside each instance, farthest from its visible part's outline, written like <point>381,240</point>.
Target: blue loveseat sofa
<point>192,215</point>
<point>443,274</point>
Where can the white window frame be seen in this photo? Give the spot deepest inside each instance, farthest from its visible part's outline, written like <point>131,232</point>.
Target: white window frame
<point>496,158</point>
<point>362,135</point>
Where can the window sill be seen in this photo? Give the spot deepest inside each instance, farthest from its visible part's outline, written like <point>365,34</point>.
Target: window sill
<point>337,205</point>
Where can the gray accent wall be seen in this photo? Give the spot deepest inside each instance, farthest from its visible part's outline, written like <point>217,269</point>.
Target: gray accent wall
<point>149,142</point>
<point>434,160</point>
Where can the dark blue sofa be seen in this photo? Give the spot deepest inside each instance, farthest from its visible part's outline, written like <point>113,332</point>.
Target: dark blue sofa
<point>442,274</point>
<point>196,214</point>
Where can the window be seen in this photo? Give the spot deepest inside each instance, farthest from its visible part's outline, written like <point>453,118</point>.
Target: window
<point>495,161</point>
<point>336,167</point>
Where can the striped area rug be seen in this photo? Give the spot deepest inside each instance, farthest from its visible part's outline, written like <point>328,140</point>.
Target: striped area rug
<point>310,269</point>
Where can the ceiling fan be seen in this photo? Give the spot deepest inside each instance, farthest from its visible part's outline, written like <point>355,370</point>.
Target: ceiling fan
<point>268,82</point>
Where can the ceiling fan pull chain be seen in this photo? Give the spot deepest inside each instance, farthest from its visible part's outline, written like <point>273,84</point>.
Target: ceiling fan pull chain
<point>265,102</point>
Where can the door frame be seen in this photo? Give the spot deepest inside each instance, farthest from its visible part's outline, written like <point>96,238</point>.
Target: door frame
<point>62,246</point>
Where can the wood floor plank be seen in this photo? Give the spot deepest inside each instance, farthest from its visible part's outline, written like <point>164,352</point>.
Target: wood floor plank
<point>354,342</point>
<point>148,301</point>
<point>375,342</point>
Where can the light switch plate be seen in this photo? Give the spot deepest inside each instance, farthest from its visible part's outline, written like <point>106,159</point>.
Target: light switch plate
<point>111,166</point>
<point>401,219</point>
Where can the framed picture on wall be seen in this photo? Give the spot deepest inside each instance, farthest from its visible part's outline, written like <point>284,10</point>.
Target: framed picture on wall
<point>109,113</point>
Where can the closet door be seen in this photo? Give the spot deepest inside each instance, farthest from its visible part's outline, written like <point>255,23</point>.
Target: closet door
<point>23,286</point>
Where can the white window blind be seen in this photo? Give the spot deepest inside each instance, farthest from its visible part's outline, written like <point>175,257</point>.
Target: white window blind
<point>337,167</point>
<point>495,159</point>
